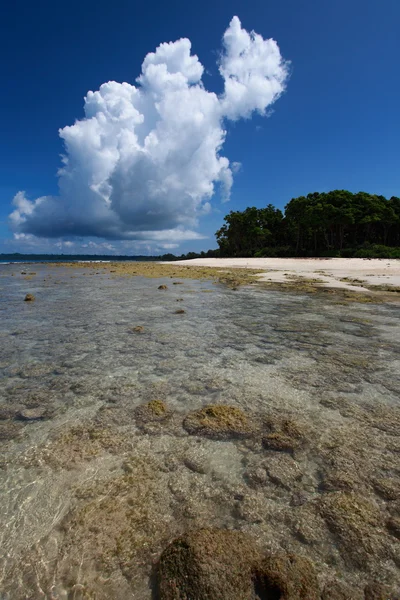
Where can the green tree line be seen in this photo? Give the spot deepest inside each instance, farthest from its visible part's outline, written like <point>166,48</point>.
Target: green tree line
<point>337,223</point>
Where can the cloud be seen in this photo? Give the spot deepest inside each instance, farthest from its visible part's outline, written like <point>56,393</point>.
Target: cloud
<point>146,160</point>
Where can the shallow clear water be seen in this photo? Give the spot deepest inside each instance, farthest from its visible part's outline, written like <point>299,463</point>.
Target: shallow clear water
<point>73,355</point>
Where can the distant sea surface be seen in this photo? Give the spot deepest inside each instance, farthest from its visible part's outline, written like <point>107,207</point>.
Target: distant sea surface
<point>60,258</point>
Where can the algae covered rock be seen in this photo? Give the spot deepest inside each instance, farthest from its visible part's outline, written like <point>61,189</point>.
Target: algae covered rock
<point>155,410</point>
<point>283,470</point>
<point>138,329</point>
<point>216,564</point>
<point>387,487</point>
<point>379,591</point>
<point>7,413</point>
<point>29,298</point>
<point>208,564</point>
<point>219,422</point>
<point>341,472</point>
<point>356,523</point>
<point>284,434</point>
<point>32,414</point>
<point>337,590</point>
<point>287,577</point>
<point>393,526</point>
<point>9,430</point>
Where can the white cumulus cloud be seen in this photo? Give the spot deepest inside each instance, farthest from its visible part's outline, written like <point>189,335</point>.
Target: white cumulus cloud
<point>145,161</point>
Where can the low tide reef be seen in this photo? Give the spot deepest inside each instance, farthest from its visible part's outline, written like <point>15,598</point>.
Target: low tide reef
<point>143,452</point>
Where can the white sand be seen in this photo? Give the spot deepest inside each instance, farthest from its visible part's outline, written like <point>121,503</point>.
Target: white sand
<point>371,271</point>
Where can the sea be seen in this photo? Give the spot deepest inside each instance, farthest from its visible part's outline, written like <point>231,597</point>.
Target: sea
<point>94,486</point>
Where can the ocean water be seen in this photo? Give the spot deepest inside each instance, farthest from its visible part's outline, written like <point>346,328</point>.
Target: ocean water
<point>90,494</point>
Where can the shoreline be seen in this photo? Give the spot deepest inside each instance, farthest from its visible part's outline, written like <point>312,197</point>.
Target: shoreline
<point>355,274</point>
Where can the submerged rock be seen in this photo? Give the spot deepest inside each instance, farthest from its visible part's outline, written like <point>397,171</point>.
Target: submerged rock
<point>156,410</point>
<point>138,329</point>
<point>387,487</point>
<point>216,564</point>
<point>393,527</point>
<point>6,413</point>
<point>208,564</point>
<point>341,472</point>
<point>284,434</point>
<point>29,298</point>
<point>32,414</point>
<point>287,577</point>
<point>356,523</point>
<point>219,422</point>
<point>9,430</point>
<point>255,476</point>
<point>180,311</point>
<point>379,591</point>
<point>283,471</point>
<point>337,590</point>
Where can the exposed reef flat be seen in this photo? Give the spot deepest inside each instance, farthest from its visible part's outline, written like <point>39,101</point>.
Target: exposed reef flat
<point>335,278</point>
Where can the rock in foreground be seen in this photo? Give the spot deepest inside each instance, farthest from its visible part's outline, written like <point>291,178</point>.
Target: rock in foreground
<point>219,564</point>
<point>219,422</point>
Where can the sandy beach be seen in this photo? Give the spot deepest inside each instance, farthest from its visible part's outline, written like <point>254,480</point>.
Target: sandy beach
<point>346,273</point>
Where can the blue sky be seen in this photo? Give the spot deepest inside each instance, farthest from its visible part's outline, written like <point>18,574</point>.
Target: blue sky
<point>336,125</point>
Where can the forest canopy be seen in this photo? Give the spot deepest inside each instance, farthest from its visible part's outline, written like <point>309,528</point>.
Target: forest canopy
<point>336,223</point>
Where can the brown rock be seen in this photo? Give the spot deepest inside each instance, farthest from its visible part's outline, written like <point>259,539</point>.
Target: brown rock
<point>256,476</point>
<point>218,421</point>
<point>162,287</point>
<point>9,430</point>
<point>6,413</point>
<point>393,526</point>
<point>180,311</point>
<point>355,522</point>
<point>32,414</point>
<point>284,434</point>
<point>216,564</point>
<point>138,329</point>
<point>337,590</point>
<point>286,577</point>
<point>208,564</point>
<point>387,487</point>
<point>278,442</point>
<point>156,410</point>
<point>283,470</point>
<point>29,298</point>
<point>379,591</point>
